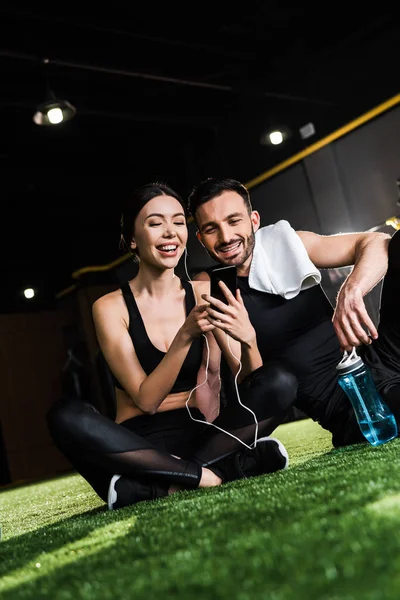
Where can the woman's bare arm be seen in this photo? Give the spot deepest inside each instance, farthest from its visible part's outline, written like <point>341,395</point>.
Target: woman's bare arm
<point>146,391</point>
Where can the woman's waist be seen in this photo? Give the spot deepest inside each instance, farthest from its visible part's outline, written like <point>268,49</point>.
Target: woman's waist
<point>127,410</point>
<point>177,419</point>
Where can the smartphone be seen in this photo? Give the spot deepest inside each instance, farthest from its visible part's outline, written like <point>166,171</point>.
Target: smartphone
<point>228,276</point>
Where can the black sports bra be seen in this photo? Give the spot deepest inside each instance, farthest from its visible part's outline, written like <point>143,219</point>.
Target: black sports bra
<point>149,356</point>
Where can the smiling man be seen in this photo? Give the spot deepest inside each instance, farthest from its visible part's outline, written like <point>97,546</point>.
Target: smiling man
<point>281,314</point>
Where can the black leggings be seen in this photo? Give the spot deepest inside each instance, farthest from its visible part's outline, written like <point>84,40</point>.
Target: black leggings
<point>382,356</point>
<point>168,447</point>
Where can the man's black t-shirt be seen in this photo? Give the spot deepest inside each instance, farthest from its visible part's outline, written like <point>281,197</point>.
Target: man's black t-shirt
<point>299,333</point>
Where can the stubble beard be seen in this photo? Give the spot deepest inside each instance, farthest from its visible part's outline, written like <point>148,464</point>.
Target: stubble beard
<point>240,260</point>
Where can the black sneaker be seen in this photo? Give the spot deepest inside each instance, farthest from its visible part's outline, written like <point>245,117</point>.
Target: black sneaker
<point>124,491</point>
<point>268,456</point>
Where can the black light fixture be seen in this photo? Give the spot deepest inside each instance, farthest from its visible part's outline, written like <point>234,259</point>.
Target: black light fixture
<point>53,111</point>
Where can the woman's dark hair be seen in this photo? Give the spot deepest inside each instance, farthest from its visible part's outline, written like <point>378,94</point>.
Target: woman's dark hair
<point>211,188</point>
<point>133,205</point>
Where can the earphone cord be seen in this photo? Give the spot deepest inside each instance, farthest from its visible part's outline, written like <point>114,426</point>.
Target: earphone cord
<point>236,387</point>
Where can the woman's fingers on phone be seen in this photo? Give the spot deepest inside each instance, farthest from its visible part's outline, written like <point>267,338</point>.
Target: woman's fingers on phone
<point>214,301</point>
<point>219,303</point>
<point>201,307</point>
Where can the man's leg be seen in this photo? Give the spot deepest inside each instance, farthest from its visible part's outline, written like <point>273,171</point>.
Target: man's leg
<point>390,296</point>
<point>268,392</point>
<point>383,356</point>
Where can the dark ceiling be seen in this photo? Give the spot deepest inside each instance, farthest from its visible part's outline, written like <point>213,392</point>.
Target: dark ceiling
<point>163,94</point>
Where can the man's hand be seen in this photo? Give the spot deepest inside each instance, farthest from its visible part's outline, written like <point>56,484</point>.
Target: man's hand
<point>350,318</point>
<point>232,318</point>
<point>368,252</point>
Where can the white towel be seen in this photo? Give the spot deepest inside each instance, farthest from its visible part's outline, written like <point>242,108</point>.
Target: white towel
<point>280,263</point>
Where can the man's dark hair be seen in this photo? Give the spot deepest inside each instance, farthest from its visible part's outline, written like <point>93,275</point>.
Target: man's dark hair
<point>211,188</point>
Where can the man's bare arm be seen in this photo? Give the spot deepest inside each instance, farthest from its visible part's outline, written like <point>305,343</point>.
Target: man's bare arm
<point>368,253</point>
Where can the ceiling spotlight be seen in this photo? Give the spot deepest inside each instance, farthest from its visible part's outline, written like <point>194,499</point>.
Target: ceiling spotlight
<point>275,137</point>
<point>29,293</point>
<point>53,112</point>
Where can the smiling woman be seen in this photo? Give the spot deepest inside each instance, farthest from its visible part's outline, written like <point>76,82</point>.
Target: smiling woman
<point>158,343</point>
<point>154,217</point>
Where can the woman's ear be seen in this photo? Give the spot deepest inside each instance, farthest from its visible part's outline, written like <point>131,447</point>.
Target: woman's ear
<point>133,244</point>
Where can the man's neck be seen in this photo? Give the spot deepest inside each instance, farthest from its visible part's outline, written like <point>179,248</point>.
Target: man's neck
<point>243,270</point>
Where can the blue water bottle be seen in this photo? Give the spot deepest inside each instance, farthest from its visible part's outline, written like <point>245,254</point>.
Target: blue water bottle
<point>374,417</point>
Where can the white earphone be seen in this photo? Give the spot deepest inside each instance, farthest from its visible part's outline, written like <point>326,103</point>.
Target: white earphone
<point>236,385</point>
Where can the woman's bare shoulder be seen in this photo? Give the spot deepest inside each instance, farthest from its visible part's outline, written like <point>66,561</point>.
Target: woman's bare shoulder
<point>112,301</point>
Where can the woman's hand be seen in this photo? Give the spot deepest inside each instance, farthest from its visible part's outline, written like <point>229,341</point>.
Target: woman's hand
<point>196,323</point>
<point>232,318</point>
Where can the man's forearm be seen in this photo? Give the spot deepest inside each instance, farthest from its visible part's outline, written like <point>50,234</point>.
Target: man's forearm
<point>371,262</point>
<point>251,359</point>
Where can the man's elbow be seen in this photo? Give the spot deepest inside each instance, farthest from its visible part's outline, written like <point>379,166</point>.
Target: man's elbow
<point>214,371</point>
<point>377,236</point>
<point>370,240</point>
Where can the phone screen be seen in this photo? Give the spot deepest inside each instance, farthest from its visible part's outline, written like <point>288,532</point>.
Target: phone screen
<point>228,276</point>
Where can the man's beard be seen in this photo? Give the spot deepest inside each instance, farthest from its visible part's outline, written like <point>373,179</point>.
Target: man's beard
<point>248,250</point>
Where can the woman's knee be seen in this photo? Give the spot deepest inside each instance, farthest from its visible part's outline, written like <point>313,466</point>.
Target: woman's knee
<point>62,416</point>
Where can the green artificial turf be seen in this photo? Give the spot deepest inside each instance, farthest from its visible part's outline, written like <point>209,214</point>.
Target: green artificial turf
<point>327,528</point>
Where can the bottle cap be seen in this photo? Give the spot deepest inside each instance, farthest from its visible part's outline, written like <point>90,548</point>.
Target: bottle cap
<point>350,362</point>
